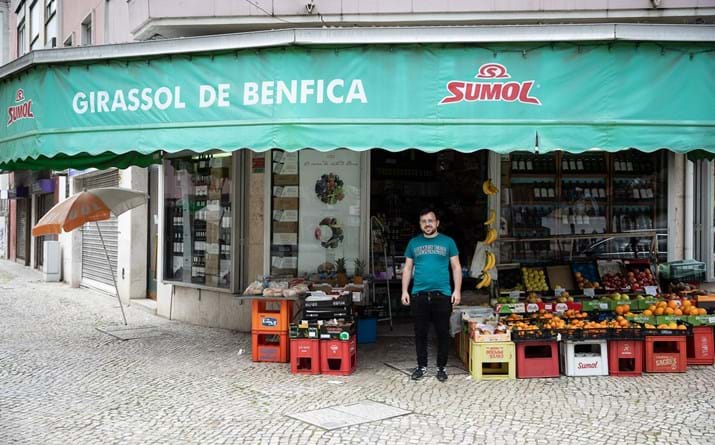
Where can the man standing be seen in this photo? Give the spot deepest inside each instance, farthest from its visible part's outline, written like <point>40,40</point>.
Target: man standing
<point>431,255</point>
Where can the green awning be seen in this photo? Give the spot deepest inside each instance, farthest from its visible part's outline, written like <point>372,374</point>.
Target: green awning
<point>503,98</point>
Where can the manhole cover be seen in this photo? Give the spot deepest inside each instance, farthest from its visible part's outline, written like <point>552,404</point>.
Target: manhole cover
<point>347,415</point>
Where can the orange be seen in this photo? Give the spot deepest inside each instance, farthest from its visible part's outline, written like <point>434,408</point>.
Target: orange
<point>651,308</point>
<point>647,312</point>
<point>687,303</point>
<point>672,325</point>
<point>672,304</point>
<point>677,312</point>
<point>702,311</point>
<point>661,304</point>
<point>659,311</point>
<point>662,326</point>
<point>619,310</point>
<point>626,308</point>
<point>619,318</point>
<point>669,310</point>
<point>682,327</point>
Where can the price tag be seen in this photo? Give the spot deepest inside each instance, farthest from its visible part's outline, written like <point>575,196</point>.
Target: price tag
<point>603,306</point>
<point>558,291</point>
<point>711,320</point>
<point>514,294</point>
<point>651,290</point>
<point>589,292</point>
<point>532,307</point>
<point>561,307</point>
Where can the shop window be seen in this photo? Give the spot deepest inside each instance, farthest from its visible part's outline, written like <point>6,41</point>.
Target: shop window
<point>562,207</point>
<point>316,214</point>
<point>21,38</point>
<point>35,24</point>
<point>86,33</point>
<point>198,209</point>
<point>50,23</point>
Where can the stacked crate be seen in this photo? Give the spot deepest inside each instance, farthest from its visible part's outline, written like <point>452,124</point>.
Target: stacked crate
<point>269,327</point>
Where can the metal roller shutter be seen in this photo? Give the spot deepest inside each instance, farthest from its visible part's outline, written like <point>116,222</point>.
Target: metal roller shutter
<point>21,230</point>
<point>94,262</point>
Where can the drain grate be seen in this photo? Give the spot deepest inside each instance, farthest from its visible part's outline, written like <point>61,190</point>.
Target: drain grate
<point>342,416</point>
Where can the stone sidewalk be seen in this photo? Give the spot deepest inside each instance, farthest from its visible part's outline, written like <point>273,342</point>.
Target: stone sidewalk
<point>62,381</point>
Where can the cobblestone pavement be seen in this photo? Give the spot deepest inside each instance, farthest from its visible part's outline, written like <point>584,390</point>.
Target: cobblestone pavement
<point>63,381</point>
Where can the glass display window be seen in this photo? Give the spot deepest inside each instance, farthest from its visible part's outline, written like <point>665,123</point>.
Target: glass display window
<point>198,225</point>
<point>562,206</point>
<point>315,212</point>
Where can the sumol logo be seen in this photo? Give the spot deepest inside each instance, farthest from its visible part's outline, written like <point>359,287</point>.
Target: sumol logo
<point>582,365</point>
<point>510,91</point>
<point>23,109</point>
<point>269,322</point>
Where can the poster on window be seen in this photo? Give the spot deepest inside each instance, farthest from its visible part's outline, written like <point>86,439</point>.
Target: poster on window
<point>329,210</point>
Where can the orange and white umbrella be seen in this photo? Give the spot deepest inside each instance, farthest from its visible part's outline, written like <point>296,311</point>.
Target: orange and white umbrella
<point>90,206</point>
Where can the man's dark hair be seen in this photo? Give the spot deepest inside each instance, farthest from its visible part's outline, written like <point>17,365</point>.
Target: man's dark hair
<point>427,210</point>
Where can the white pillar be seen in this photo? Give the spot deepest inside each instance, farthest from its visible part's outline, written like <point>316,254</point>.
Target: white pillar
<point>132,256</point>
<point>676,201</point>
<point>689,210</point>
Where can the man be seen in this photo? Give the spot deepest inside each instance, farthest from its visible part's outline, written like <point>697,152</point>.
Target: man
<point>431,255</point>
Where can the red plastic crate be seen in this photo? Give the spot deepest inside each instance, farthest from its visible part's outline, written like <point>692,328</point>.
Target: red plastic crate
<point>701,346</point>
<point>269,347</point>
<point>271,315</point>
<point>665,353</point>
<point>537,359</point>
<point>338,357</point>
<point>625,358</point>
<point>304,356</point>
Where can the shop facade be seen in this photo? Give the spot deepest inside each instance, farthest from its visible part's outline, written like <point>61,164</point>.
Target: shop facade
<point>291,157</point>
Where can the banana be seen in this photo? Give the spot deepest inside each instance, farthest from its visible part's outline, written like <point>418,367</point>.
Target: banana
<point>491,236</point>
<point>489,188</point>
<point>492,218</point>
<point>486,281</point>
<point>491,261</point>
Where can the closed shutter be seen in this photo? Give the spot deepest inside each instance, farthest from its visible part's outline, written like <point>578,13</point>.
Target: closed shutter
<point>95,271</point>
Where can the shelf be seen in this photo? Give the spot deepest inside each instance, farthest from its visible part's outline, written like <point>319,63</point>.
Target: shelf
<point>533,203</point>
<point>532,175</point>
<point>584,175</point>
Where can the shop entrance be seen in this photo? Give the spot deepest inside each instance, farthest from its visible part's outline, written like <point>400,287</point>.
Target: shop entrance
<point>402,184</point>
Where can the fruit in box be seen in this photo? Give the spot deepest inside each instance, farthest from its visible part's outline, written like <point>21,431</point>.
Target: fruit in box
<point>534,279</point>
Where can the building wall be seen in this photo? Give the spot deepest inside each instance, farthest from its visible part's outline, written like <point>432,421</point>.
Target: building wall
<point>4,31</point>
<point>133,231</point>
<point>110,21</point>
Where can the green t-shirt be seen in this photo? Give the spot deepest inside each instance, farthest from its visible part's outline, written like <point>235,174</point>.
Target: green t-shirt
<point>431,257</point>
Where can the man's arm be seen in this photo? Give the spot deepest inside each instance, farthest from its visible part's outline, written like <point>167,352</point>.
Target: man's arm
<point>406,277</point>
<point>457,276</point>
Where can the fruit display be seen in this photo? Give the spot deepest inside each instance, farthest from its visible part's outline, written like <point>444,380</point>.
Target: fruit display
<point>586,275</point>
<point>491,236</point>
<point>489,188</point>
<point>534,279</point>
<point>634,280</point>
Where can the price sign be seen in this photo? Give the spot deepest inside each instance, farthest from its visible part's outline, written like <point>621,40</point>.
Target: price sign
<point>558,291</point>
<point>532,307</point>
<point>603,306</point>
<point>561,307</point>
<point>548,307</point>
<point>651,290</point>
<point>589,292</point>
<point>514,294</point>
<point>711,320</point>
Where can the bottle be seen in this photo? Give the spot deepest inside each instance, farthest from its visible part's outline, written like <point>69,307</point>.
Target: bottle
<point>565,165</point>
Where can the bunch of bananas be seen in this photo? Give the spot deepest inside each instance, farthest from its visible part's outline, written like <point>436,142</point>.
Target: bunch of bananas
<point>491,236</point>
<point>492,218</point>
<point>489,263</point>
<point>489,188</point>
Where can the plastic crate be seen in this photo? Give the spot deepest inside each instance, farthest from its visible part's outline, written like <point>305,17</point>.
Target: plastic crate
<point>538,335</point>
<point>625,358</point>
<point>338,357</point>
<point>271,315</point>
<point>686,270</point>
<point>584,358</point>
<point>630,333</point>
<point>269,347</point>
<point>304,356</point>
<point>584,334</point>
<point>492,361</point>
<point>701,346</point>
<point>666,353</point>
<point>537,359</point>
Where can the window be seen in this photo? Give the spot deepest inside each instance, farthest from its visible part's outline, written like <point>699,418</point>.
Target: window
<point>315,212</point>
<point>197,199</point>
<point>68,40</point>
<point>21,38</point>
<point>35,26</point>
<point>564,207</point>
<point>86,38</point>
<point>50,23</point>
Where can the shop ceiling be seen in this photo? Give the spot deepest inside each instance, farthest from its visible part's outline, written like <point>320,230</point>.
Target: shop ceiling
<point>503,88</point>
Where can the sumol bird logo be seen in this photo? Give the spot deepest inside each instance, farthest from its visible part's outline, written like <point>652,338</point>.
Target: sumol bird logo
<point>511,91</point>
<point>22,109</point>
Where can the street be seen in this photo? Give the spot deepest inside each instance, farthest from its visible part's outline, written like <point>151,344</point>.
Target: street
<point>63,381</point>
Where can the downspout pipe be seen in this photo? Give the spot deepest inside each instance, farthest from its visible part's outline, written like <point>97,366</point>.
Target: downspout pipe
<point>688,227</point>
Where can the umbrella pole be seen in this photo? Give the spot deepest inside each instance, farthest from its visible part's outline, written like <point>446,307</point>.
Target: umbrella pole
<point>111,270</point>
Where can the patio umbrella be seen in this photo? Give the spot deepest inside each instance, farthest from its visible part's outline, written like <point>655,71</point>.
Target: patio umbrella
<point>90,206</point>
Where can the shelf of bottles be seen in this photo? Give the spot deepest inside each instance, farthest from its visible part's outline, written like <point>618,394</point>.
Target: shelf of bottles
<point>562,195</point>
<point>198,209</point>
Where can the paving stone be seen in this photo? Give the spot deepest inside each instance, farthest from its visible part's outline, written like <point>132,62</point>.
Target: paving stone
<point>63,381</point>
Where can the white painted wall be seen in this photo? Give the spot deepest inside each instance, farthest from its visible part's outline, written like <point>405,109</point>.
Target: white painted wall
<point>132,259</point>
<point>4,32</point>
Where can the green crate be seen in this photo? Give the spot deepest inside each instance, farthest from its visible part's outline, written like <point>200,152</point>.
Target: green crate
<point>641,305</point>
<point>596,305</point>
<point>660,319</point>
<point>642,319</point>
<point>701,320</point>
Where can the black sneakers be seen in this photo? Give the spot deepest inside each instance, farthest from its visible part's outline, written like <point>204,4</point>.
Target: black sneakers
<point>418,373</point>
<point>442,375</point>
